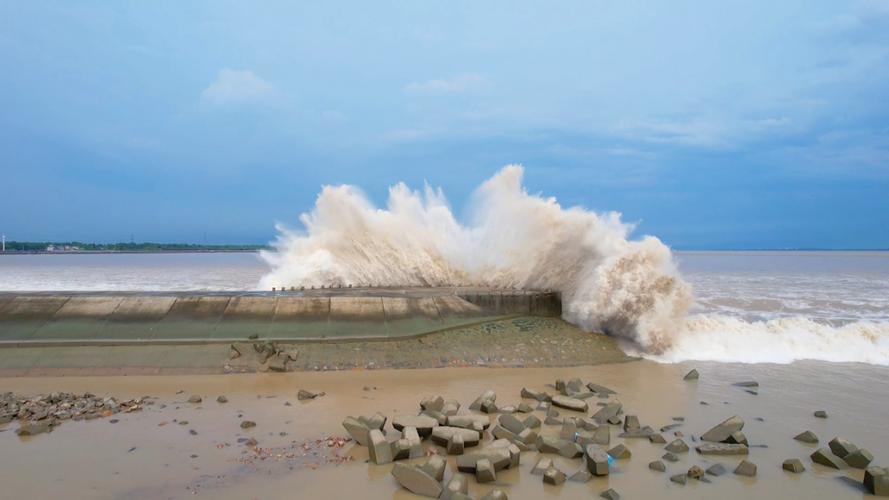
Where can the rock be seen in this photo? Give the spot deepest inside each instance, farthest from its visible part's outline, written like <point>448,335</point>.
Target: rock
<point>679,479</point>
<point>378,448</point>
<point>554,476</point>
<point>657,439</point>
<point>581,476</point>
<point>278,362</point>
<point>736,438</point>
<point>859,458</point>
<point>806,437</point>
<point>570,403</point>
<point>304,395</point>
<point>677,446</point>
<point>841,447</point>
<point>531,422</point>
<point>722,449</point>
<point>432,403</point>
<point>615,420</point>
<point>484,471</point>
<point>724,430</point>
<point>435,466</point>
<point>495,494</point>
<point>485,403</point>
<point>620,452</point>
<point>511,423</point>
<point>596,460</point>
<point>657,465</point>
<point>670,457</point>
<point>606,412</point>
<point>445,434</point>
<point>553,420</point>
<point>570,449</point>
<point>416,481</point>
<point>821,414</point>
<point>524,408</point>
<point>457,484</point>
<point>876,481</point>
<point>424,424</point>
<point>600,389</point>
<point>631,423</point>
<point>222,399</point>
<point>692,375</point>
<point>746,468</point>
<point>542,465</point>
<point>793,465</point>
<point>247,424</point>
<point>358,430</point>
<point>644,432</point>
<point>749,383</point>
<point>194,399</point>
<point>610,494</point>
<point>536,395</point>
<point>824,457</point>
<point>695,472</point>
<point>716,470</point>
<point>34,428</point>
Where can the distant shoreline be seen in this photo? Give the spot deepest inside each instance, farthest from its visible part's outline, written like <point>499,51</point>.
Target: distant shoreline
<point>88,252</point>
<point>760,251</point>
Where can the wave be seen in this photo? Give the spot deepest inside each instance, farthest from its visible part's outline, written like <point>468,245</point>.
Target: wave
<point>512,239</point>
<point>716,337</point>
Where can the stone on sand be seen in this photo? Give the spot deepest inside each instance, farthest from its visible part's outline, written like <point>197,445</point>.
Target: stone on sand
<point>820,414</point>
<point>746,468</point>
<point>695,472</point>
<point>581,476</point>
<point>531,422</point>
<point>620,452</point>
<point>716,470</point>
<point>435,466</point>
<point>679,478</point>
<point>222,399</point>
<point>610,494</point>
<point>358,430</point>
<point>554,476</point>
<point>416,480</point>
<point>657,465</point>
<point>692,375</point>
<point>657,439</point>
<point>542,465</point>
<point>457,484</point>
<point>841,447</point>
<point>570,403</point>
<point>495,494</point>
<point>379,450</point>
<point>677,446</point>
<point>596,460</point>
<point>304,395</point>
<point>511,423</point>
<point>793,465</point>
<point>607,412</point>
<point>722,449</point>
<point>824,457</point>
<point>859,458</point>
<point>536,395</point>
<point>194,399</point>
<point>670,457</point>
<point>484,471</point>
<point>724,430</point>
<point>876,481</point>
<point>806,437</point>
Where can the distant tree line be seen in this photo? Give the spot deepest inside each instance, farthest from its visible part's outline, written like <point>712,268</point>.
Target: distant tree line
<point>79,246</point>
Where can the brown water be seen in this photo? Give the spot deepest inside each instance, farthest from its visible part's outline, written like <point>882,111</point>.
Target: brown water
<point>139,459</point>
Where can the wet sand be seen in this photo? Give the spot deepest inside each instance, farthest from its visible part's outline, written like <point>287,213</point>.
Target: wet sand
<point>149,455</point>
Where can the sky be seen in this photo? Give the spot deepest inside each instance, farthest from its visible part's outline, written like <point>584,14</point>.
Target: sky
<point>712,125</point>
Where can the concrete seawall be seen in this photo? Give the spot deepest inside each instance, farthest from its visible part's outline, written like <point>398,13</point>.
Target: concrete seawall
<point>54,318</point>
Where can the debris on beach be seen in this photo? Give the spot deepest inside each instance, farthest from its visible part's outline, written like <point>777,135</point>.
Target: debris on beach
<point>42,413</point>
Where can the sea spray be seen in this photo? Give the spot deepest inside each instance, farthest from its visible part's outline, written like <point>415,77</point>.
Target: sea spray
<point>511,239</point>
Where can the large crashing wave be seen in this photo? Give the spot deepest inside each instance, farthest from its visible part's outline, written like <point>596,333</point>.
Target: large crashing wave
<point>630,289</point>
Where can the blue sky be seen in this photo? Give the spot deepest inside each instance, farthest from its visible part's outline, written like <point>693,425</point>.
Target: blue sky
<point>732,124</point>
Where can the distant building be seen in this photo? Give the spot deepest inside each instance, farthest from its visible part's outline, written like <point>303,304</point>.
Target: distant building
<point>62,248</point>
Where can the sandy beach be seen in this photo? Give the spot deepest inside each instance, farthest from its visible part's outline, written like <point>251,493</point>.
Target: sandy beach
<point>151,453</point>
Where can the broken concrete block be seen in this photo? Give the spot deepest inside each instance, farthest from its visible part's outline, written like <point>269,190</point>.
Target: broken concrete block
<point>378,448</point>
<point>500,456</point>
<point>531,422</point>
<point>721,432</point>
<point>596,460</point>
<point>484,471</point>
<point>412,437</point>
<point>570,403</point>
<point>457,484</point>
<point>524,408</point>
<point>424,424</point>
<point>859,458</point>
<point>600,389</point>
<point>511,423</point>
<point>876,481</point>
<point>542,465</point>
<point>722,449</point>
<point>375,421</point>
<point>658,466</point>
<point>806,437</point>
<point>304,395</point>
<point>553,420</point>
<point>569,429</point>
<point>455,445</point>
<point>644,432</point>
<point>435,466</point>
<point>495,494</point>
<point>610,494</point>
<point>631,423</point>
<point>432,403</point>
<point>716,470</point>
<point>526,437</point>
<point>670,457</point>
<point>536,395</point>
<point>570,449</point>
<point>602,436</point>
<point>736,438</point>
<point>841,447</point>
<point>620,452</point>
<point>445,434</point>
<point>475,422</point>
<point>486,399</point>
<point>607,412</point>
<point>824,457</point>
<point>677,446</point>
<point>679,479</point>
<point>451,407</point>
<point>581,476</point>
<point>746,468</point>
<point>793,465</point>
<point>657,439</point>
<point>439,417</point>
<point>554,476</point>
<point>358,430</point>
<point>416,480</point>
<point>821,414</point>
<point>692,375</point>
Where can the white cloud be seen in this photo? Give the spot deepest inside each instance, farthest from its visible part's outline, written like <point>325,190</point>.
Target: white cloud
<point>234,86</point>
<point>455,85</point>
